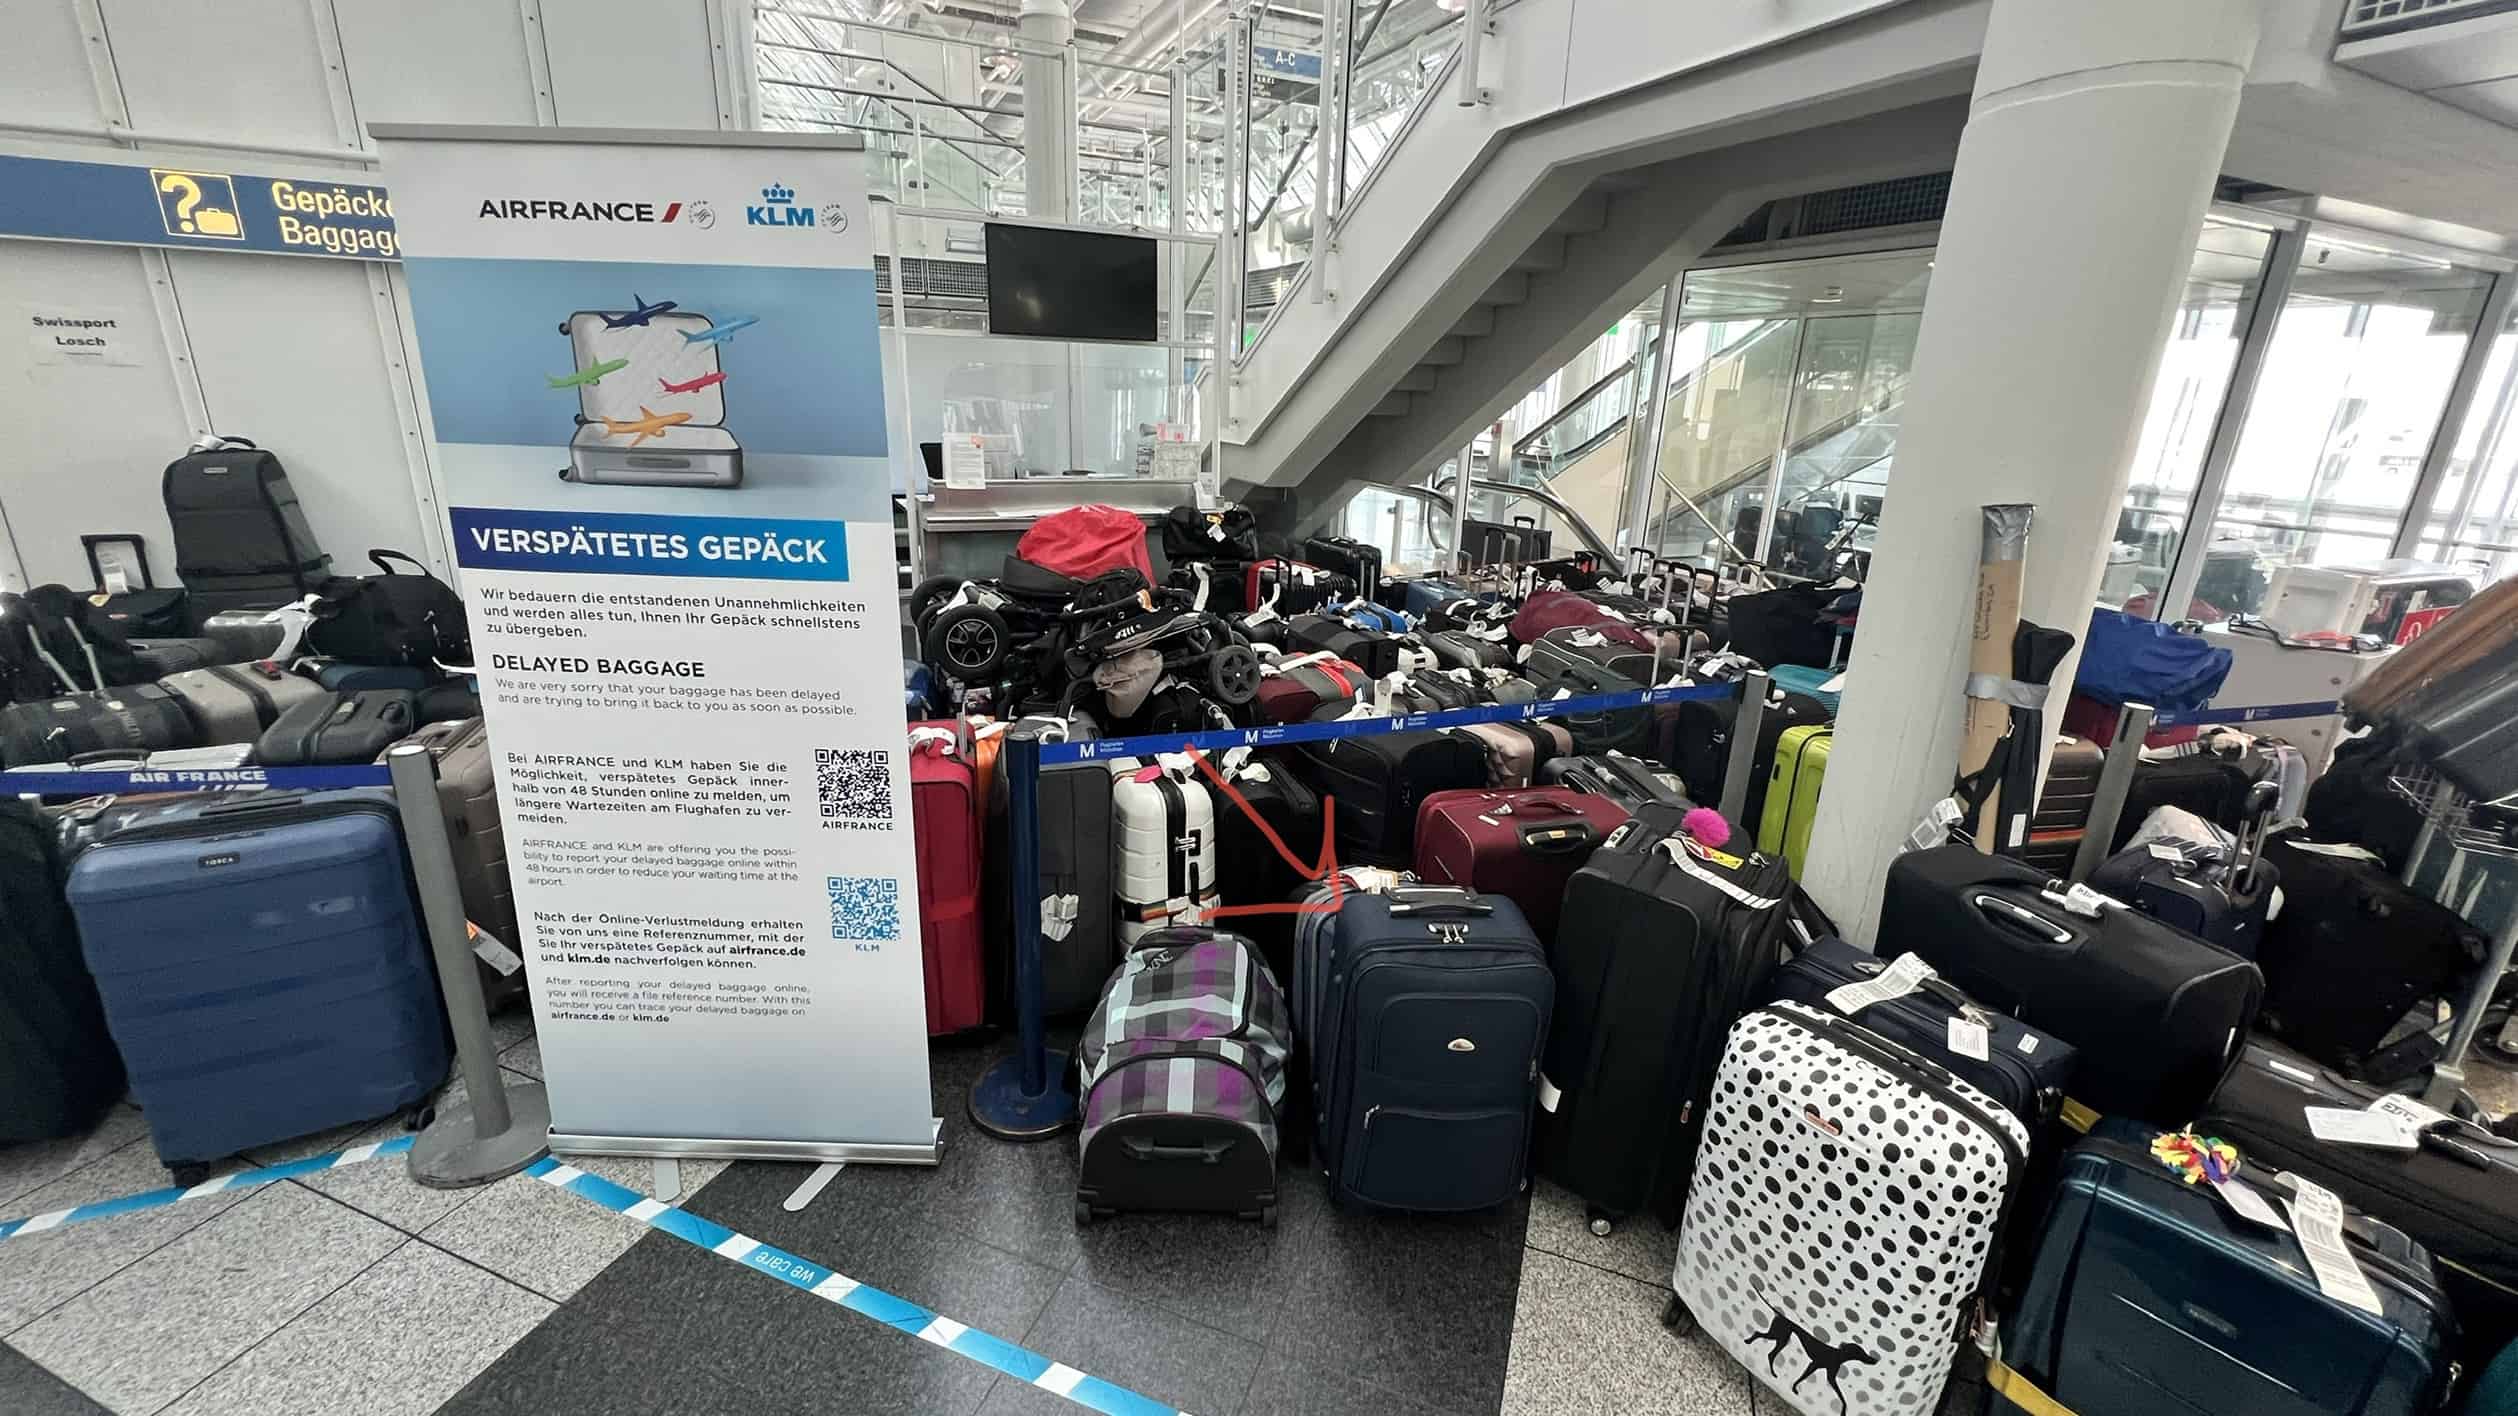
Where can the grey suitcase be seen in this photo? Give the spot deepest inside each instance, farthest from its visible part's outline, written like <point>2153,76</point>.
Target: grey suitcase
<point>234,703</point>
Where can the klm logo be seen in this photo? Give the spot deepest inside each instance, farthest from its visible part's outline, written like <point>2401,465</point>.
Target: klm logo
<point>778,208</point>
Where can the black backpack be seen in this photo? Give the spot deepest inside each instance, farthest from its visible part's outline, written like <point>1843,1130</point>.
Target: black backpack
<point>54,641</point>
<point>391,618</point>
<point>1229,533</point>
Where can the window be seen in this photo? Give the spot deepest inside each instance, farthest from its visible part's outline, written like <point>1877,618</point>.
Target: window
<point>2344,411</point>
<point>2186,399</point>
<point>2475,505</point>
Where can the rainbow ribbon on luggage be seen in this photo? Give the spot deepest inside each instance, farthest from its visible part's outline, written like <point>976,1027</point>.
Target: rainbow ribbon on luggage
<point>240,1180</point>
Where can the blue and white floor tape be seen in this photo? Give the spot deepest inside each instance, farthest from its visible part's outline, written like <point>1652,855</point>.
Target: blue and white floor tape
<point>991,1352</point>
<point>242,1179</point>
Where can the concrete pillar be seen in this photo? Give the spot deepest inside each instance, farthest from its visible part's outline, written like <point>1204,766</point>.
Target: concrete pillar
<point>1048,109</point>
<point>2089,157</point>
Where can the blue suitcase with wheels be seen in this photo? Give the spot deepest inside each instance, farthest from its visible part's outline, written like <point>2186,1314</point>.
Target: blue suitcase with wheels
<point>2149,1295</point>
<point>1426,1011</point>
<point>262,966</point>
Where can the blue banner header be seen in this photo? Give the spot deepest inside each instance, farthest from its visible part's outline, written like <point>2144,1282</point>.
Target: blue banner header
<point>194,209</point>
<point>628,543</point>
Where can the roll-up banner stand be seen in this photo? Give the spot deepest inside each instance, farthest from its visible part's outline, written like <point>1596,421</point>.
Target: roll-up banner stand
<point>657,413</point>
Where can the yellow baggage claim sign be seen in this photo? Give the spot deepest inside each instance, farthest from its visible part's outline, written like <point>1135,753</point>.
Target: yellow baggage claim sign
<point>185,208</point>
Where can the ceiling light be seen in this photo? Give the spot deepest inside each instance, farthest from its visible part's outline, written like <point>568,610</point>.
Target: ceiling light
<point>1832,295</point>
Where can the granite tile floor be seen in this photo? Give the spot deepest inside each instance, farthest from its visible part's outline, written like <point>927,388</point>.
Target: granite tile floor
<point>356,1291</point>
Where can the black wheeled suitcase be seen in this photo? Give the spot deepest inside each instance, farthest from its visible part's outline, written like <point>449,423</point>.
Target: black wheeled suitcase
<point>1661,943</point>
<point>2063,806</point>
<point>1467,649</point>
<point>140,717</point>
<point>1693,738</point>
<point>1432,1008</point>
<point>338,728</point>
<point>241,539</point>
<point>1628,781</point>
<point>2455,1193</point>
<point>2157,1015</point>
<point>148,614</point>
<point>58,1067</point>
<point>1079,948</point>
<point>1598,730</point>
<point>2353,950</point>
<point>1350,557</point>
<point>1265,798</point>
<point>1377,779</point>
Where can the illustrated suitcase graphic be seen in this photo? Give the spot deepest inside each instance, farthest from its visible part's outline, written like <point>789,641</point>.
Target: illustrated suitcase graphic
<point>1431,1010</point>
<point>944,807</point>
<point>1521,844</point>
<point>261,964</point>
<point>234,703</point>
<point>1163,847</point>
<point>697,453</point>
<point>1183,1073</point>
<point>1660,945</point>
<point>1847,1198</point>
<point>467,796</point>
<point>1792,793</point>
<point>2144,1285</point>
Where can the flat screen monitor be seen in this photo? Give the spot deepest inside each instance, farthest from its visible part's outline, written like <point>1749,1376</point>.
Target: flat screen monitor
<point>1070,284</point>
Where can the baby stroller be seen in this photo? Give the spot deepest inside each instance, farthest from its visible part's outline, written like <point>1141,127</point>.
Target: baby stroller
<point>972,630</point>
<point>1116,625</point>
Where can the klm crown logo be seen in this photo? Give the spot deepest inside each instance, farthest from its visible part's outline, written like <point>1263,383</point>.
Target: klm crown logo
<point>778,208</point>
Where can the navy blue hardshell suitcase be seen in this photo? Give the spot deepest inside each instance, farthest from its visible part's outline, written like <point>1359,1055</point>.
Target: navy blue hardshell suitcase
<point>262,966</point>
<point>2024,1069</point>
<point>1428,1010</point>
<point>2147,1293</point>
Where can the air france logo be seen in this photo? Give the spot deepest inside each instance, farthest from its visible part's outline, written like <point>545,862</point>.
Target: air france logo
<point>778,208</point>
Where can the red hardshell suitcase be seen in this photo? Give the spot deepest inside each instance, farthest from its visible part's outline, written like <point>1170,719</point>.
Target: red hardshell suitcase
<point>944,805</point>
<point>1521,843</point>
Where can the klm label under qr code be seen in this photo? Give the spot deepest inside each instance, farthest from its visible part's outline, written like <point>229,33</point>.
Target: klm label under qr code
<point>865,907</point>
<point>853,784</point>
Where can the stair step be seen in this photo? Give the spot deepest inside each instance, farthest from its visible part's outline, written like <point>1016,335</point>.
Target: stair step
<point>1445,351</point>
<point>1546,253</point>
<point>1511,288</point>
<point>1391,406</point>
<point>1589,213</point>
<point>1477,324</point>
<point>1417,380</point>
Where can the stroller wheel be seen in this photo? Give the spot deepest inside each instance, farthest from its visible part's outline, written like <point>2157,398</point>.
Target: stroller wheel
<point>1233,672</point>
<point>969,642</point>
<point>931,592</point>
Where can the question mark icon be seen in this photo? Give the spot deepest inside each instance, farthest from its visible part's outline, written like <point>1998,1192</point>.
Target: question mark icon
<point>190,196</point>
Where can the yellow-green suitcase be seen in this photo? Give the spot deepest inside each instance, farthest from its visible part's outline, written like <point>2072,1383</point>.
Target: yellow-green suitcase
<point>1792,794</point>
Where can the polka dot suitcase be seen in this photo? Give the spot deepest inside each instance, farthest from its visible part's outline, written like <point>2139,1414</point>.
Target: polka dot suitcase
<point>1847,1200</point>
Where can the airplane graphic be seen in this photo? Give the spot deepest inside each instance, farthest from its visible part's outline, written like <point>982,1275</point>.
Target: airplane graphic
<point>591,374</point>
<point>649,424</point>
<point>638,316</point>
<point>721,333</point>
<point>694,385</point>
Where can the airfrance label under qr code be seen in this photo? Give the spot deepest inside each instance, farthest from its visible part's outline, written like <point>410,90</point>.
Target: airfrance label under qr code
<point>865,907</point>
<point>853,785</point>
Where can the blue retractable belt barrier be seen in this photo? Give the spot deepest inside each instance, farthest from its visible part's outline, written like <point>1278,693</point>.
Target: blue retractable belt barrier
<point>23,783</point>
<point>2261,713</point>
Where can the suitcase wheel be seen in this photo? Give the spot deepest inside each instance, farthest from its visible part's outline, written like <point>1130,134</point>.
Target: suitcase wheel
<point>1267,1217</point>
<point>1601,1224</point>
<point>419,1117</point>
<point>1083,1214</point>
<point>1677,1318</point>
<point>190,1173</point>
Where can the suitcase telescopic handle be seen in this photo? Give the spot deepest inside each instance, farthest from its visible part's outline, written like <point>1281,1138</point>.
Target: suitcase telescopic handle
<point>1204,1153</point>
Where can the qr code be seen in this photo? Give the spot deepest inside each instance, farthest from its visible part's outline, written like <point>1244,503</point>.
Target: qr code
<point>865,907</point>
<point>853,783</point>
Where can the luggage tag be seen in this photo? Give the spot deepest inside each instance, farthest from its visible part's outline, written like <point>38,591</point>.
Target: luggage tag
<point>1902,976</point>
<point>1934,830</point>
<point>2317,1220</point>
<point>488,948</point>
<point>1969,1038</point>
<point>2343,1126</point>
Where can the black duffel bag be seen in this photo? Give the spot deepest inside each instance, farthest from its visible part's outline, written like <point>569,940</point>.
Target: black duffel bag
<point>412,619</point>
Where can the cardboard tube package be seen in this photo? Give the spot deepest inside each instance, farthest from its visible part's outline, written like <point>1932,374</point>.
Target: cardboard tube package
<point>2000,565</point>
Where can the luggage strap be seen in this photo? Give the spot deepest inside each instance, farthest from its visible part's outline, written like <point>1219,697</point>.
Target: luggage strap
<point>2005,1381</point>
<point>1680,857</point>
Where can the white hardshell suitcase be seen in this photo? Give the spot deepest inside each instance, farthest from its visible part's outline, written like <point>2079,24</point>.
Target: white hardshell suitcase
<point>1843,1213</point>
<point>1163,850</point>
<point>615,442</point>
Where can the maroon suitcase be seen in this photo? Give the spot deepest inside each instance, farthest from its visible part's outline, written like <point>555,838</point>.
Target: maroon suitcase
<point>944,807</point>
<point>1291,695</point>
<point>1522,843</point>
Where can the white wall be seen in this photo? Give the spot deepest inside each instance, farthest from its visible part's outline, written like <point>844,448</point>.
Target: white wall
<point>305,356</point>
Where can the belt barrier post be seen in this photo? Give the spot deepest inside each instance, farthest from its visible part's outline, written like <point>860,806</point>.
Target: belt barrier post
<point>1744,731</point>
<point>500,1129</point>
<point>1022,1097</point>
<point>2115,783</point>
